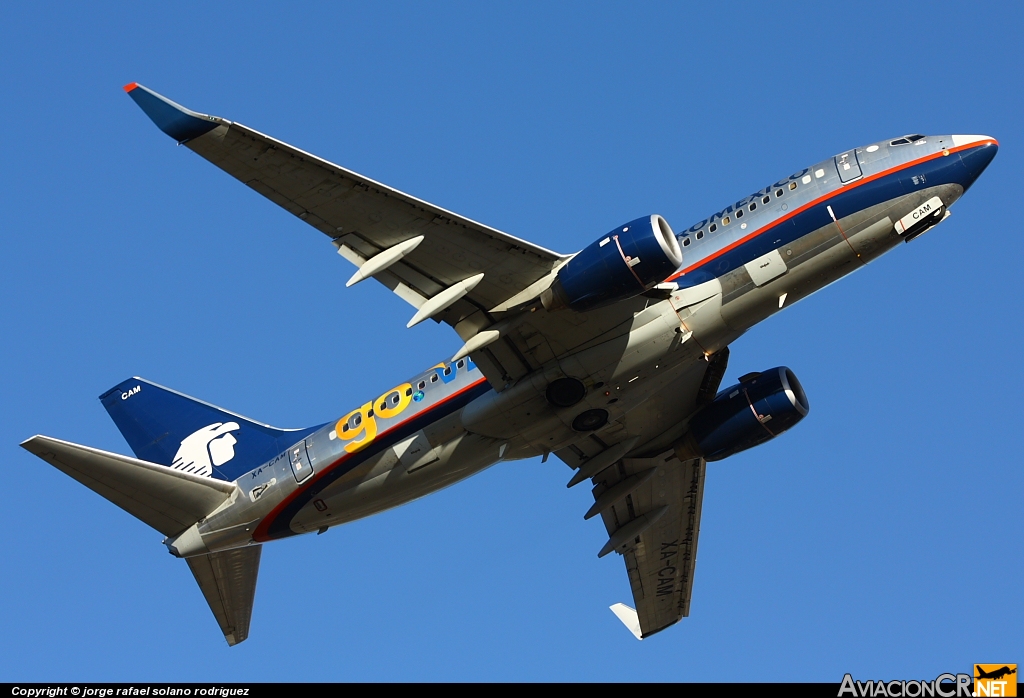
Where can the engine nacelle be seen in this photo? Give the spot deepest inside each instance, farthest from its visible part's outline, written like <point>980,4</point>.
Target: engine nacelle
<point>759,408</point>
<point>624,263</point>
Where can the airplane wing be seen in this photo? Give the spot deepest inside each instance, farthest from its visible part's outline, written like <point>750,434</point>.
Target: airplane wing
<point>661,558</point>
<point>651,505</point>
<point>448,267</point>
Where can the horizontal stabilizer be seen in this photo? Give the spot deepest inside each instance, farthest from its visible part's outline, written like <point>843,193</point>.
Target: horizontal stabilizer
<point>168,500</point>
<point>176,121</point>
<point>228,581</point>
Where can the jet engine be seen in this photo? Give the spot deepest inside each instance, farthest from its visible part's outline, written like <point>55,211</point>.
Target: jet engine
<point>629,260</point>
<point>759,408</point>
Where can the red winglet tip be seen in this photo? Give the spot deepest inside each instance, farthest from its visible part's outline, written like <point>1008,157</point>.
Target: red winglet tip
<point>130,86</point>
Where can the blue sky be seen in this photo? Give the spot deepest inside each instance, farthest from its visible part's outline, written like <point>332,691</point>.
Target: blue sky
<point>881,536</point>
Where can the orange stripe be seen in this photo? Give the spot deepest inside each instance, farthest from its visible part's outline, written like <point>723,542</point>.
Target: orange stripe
<point>848,187</point>
<point>259,535</point>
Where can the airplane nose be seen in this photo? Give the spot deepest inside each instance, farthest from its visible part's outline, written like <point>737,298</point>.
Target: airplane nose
<point>977,156</point>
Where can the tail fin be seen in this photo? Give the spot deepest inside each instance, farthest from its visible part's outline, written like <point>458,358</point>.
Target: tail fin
<point>163,426</point>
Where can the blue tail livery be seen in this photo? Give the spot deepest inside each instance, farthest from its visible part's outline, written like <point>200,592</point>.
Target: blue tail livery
<point>166,427</point>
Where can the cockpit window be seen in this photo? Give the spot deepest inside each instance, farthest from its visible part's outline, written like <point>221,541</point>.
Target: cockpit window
<point>912,138</point>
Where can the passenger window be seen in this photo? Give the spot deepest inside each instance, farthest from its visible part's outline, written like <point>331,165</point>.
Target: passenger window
<point>433,378</point>
<point>421,385</point>
<point>739,213</point>
<point>778,193</point>
<point>461,363</point>
<point>819,173</point>
<point>408,391</point>
<point>752,206</point>
<point>806,179</point>
<point>792,186</point>
<point>713,228</point>
<point>686,241</point>
<point>447,370</point>
<point>726,220</point>
<point>766,199</point>
<point>700,234</point>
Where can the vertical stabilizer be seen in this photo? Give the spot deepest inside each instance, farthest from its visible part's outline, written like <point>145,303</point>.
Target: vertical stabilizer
<point>166,427</point>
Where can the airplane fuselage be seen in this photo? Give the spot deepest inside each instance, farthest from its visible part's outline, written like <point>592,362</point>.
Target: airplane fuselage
<point>740,265</point>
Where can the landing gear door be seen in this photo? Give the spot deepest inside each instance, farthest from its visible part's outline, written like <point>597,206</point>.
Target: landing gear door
<point>848,166</point>
<point>299,460</point>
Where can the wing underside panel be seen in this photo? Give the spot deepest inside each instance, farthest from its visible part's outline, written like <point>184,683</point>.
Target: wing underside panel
<point>661,560</point>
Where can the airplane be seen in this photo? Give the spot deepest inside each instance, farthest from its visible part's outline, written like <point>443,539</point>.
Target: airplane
<point>611,359</point>
<point>995,673</point>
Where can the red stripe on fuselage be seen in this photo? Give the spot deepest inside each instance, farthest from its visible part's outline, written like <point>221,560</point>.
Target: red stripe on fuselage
<point>825,197</point>
<point>260,534</point>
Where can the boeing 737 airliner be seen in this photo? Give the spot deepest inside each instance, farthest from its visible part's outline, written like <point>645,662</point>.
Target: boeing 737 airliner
<point>610,358</point>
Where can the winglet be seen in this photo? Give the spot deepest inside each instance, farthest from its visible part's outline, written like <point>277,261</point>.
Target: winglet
<point>176,121</point>
<point>628,617</point>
